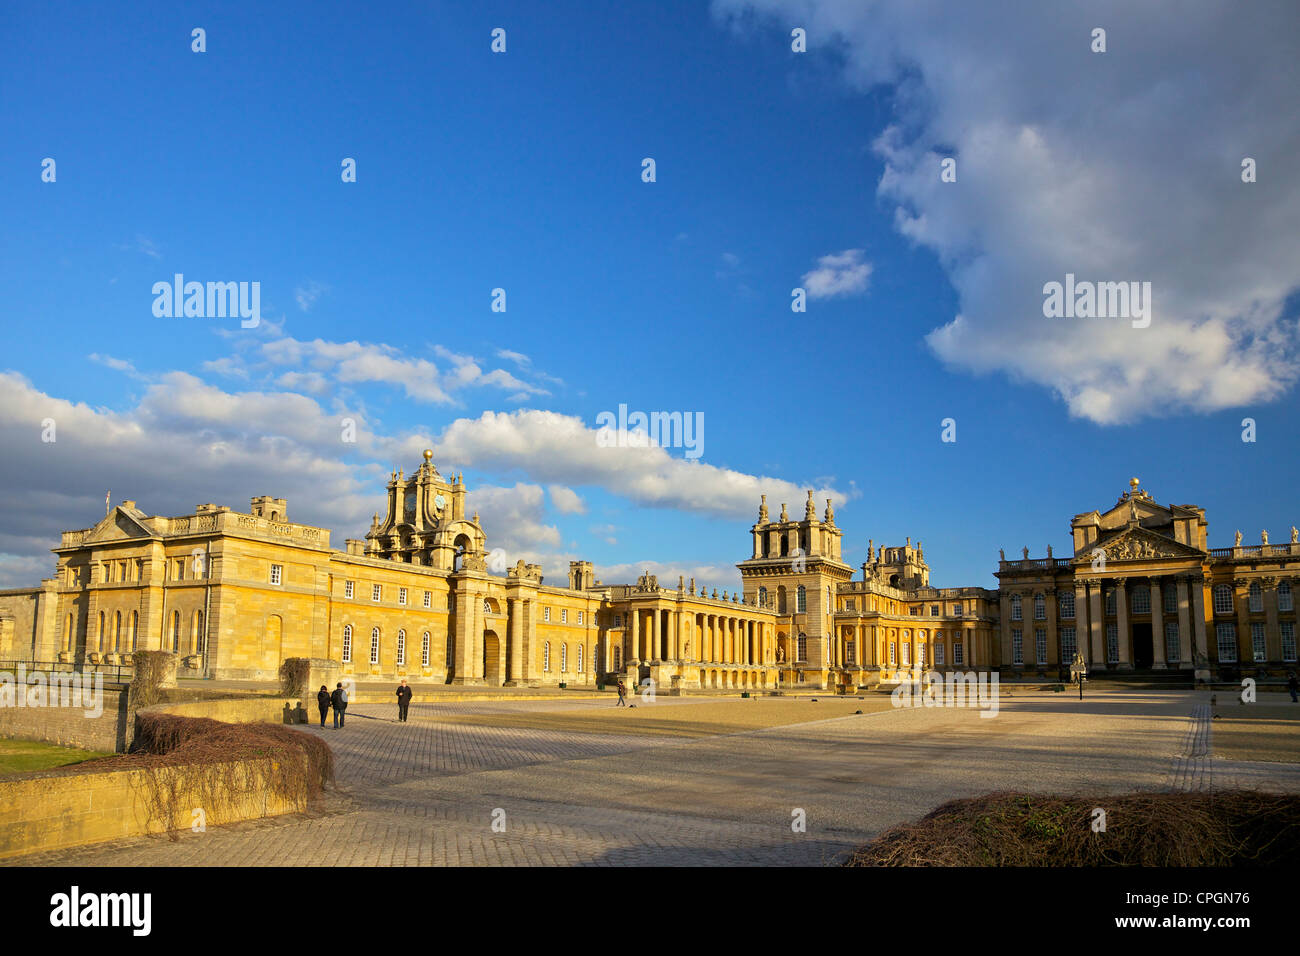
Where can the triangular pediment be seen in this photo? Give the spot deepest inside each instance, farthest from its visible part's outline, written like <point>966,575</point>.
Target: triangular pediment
<point>118,526</point>
<point>1138,544</point>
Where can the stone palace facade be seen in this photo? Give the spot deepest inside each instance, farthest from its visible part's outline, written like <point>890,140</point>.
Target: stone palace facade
<point>235,593</point>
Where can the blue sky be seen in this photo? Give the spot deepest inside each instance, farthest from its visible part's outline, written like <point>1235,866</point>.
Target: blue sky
<point>522,171</point>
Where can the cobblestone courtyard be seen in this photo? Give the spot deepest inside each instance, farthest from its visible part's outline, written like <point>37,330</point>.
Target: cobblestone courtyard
<point>427,792</point>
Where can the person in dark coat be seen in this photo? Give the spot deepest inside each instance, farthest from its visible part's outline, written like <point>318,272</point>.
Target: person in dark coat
<point>323,701</point>
<point>1293,686</point>
<point>622,695</point>
<point>340,701</point>
<point>403,700</point>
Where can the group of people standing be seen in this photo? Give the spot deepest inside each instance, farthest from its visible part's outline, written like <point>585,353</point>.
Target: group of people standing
<point>339,701</point>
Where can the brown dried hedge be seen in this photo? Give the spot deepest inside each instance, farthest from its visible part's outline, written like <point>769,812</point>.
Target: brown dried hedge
<point>1223,828</point>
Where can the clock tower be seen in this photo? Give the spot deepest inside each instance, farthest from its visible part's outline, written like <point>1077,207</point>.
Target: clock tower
<point>425,521</point>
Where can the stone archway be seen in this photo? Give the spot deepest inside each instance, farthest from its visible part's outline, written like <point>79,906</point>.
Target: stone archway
<point>492,671</point>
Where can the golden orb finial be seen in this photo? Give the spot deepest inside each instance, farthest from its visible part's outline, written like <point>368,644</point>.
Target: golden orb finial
<point>1133,483</point>
<point>428,454</point>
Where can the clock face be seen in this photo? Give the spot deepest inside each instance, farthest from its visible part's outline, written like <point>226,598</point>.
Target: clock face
<point>439,501</point>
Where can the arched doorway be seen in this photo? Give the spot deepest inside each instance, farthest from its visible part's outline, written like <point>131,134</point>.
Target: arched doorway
<point>492,658</point>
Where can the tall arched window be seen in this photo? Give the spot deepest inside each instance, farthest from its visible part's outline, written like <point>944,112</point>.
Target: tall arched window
<point>546,656</point>
<point>374,646</point>
<point>68,635</point>
<point>802,647</point>
<point>564,658</point>
<point>196,634</point>
<point>1284,599</point>
<point>176,632</point>
<point>424,650</point>
<point>579,667</point>
<point>117,632</point>
<point>102,636</point>
<point>401,648</point>
<point>801,600</point>
<point>347,644</point>
<point>135,631</point>
<point>450,650</point>
<point>762,597</point>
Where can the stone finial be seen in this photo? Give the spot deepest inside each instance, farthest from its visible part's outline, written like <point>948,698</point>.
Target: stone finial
<point>870,542</point>
<point>1133,485</point>
<point>810,510</point>
<point>715,593</point>
<point>762,510</point>
<point>692,585</point>
<point>681,583</point>
<point>830,513</point>
<point>784,516</point>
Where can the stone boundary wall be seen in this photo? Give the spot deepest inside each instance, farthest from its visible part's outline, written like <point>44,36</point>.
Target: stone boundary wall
<point>71,726</point>
<point>53,811</point>
<point>238,710</point>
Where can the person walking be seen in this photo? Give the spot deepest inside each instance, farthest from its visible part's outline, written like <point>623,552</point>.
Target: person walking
<point>622,695</point>
<point>1293,686</point>
<point>403,700</point>
<point>340,701</point>
<point>323,701</point>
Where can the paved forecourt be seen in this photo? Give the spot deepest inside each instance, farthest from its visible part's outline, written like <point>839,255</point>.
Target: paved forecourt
<point>717,781</point>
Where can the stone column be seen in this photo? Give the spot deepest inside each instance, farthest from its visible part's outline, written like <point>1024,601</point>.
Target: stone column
<point>1241,601</point>
<point>1125,662</point>
<point>1158,586</point>
<point>653,634</point>
<point>1186,647</point>
<point>1097,624</point>
<point>1081,642</point>
<point>1272,632</point>
<point>1196,636</point>
<point>516,642</point>
<point>1053,644</point>
<point>635,624</point>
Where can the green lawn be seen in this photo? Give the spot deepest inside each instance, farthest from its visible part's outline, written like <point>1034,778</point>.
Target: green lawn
<point>20,756</point>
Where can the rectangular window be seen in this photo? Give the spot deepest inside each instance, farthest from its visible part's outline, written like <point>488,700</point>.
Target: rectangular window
<point>1112,643</point>
<point>1284,596</point>
<point>1256,598</point>
<point>1222,599</point>
<point>578,669</point>
<point>934,610</point>
<point>428,598</point>
<point>580,621</point>
<point>957,610</point>
<point>907,654</point>
<point>618,620</point>
<point>564,619</point>
<point>376,592</point>
<point>1016,612</point>
<point>546,614</point>
<point>276,571</point>
<point>892,653</point>
<point>401,596</point>
<point>938,655</point>
<point>1040,645</point>
<point>1226,636</point>
<point>347,645</point>
<point>1141,600</point>
<point>1067,605</point>
<point>1017,646</point>
<point>1110,601</point>
<point>401,648</point>
<point>347,589</point>
<point>1173,643</point>
<point>1288,640</point>
<point>564,658</point>
<point>1069,645</point>
<point>1257,645</point>
<point>1040,608</point>
<point>957,657</point>
<point>915,611</point>
<point>424,650</point>
<point>546,656</point>
<point>374,646</point>
<point>848,652</point>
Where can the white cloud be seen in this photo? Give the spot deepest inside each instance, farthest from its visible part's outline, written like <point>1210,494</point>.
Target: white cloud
<point>558,448</point>
<point>307,294</point>
<point>1116,166</point>
<point>837,274</point>
<point>566,501</point>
